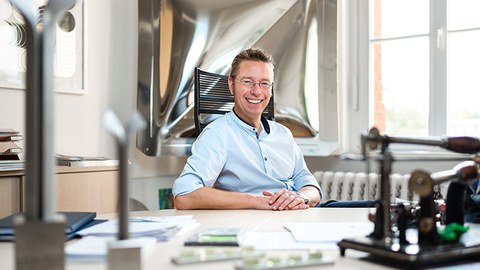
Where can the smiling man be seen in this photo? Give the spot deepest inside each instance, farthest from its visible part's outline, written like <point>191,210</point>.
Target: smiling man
<point>242,160</point>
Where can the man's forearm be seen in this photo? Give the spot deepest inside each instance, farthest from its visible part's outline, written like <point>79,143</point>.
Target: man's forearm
<point>211,198</point>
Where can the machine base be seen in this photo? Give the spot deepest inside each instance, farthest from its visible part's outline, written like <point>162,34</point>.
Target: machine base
<point>408,255</point>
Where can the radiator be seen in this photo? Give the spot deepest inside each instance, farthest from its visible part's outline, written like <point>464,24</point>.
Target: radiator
<point>347,186</point>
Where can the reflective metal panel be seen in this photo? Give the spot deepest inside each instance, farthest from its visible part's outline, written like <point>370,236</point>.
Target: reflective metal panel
<point>175,36</point>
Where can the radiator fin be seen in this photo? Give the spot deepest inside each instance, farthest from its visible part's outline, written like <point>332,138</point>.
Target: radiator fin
<point>347,186</point>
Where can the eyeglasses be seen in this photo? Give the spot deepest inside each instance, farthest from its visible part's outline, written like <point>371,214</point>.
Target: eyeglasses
<point>250,84</point>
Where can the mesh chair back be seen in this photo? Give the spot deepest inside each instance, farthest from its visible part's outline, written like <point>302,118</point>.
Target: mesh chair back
<point>213,98</point>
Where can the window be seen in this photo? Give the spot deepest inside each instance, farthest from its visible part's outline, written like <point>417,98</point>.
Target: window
<point>420,58</point>
<point>463,58</point>
<point>399,66</point>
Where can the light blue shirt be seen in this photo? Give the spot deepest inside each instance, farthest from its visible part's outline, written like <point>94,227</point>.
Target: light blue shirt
<point>228,155</point>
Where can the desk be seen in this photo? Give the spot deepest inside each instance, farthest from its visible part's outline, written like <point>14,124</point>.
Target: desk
<point>254,220</point>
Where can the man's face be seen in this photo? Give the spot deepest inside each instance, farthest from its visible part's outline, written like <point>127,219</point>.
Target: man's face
<point>251,101</point>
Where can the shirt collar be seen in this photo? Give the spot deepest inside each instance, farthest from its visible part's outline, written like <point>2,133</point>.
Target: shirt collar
<point>263,120</point>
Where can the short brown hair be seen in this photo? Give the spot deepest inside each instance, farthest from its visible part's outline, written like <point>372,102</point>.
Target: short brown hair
<point>252,54</point>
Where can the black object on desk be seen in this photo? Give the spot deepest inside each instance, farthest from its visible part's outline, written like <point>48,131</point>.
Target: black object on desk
<point>74,222</point>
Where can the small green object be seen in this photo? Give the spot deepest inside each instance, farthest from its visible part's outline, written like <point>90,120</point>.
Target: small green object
<point>272,261</point>
<point>186,253</point>
<point>251,261</point>
<point>452,232</point>
<point>294,259</point>
<point>217,238</point>
<point>315,254</point>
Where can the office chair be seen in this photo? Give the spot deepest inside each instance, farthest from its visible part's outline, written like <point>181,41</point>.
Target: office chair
<point>213,99</point>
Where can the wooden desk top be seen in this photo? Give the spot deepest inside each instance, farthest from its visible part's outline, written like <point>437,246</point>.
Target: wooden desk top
<point>253,220</point>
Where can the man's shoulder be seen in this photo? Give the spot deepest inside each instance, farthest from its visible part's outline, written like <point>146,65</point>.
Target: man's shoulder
<point>219,123</point>
<point>279,128</point>
<point>217,128</point>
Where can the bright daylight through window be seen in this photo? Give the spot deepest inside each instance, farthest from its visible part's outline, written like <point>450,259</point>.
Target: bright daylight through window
<point>423,67</point>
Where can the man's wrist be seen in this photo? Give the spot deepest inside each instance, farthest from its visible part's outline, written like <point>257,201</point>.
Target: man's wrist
<point>305,198</point>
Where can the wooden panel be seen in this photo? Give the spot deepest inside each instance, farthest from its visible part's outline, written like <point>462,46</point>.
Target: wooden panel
<point>79,189</point>
<point>10,195</point>
<point>88,191</point>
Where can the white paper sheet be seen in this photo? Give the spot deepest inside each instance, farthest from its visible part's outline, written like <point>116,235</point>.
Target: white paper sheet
<point>90,247</point>
<point>282,241</point>
<point>328,231</point>
<point>93,248</point>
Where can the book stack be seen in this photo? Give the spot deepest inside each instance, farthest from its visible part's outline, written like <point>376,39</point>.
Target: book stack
<point>9,150</point>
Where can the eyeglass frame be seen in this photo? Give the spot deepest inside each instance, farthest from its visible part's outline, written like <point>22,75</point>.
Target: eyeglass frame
<point>261,85</point>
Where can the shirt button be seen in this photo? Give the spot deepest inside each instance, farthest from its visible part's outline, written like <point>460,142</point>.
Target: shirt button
<point>265,158</point>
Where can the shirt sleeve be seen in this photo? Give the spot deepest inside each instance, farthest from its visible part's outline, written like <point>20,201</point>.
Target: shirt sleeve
<point>208,149</point>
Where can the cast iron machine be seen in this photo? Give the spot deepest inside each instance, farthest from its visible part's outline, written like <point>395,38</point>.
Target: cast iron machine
<point>388,242</point>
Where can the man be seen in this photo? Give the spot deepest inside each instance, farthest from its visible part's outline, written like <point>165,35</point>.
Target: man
<point>242,160</point>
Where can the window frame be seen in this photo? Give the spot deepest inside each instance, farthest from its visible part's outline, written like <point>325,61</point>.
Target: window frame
<point>355,77</point>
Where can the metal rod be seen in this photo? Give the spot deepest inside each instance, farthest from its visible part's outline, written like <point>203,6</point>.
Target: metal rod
<point>422,183</point>
<point>385,170</point>
<point>458,174</point>
<point>33,109</point>
<point>466,145</point>
<point>122,137</point>
<point>123,193</point>
<point>40,168</point>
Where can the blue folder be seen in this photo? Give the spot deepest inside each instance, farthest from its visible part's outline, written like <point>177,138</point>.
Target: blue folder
<point>74,222</point>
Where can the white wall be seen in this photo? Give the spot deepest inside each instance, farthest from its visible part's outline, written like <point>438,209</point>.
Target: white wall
<point>78,129</point>
<point>12,110</point>
<point>77,122</point>
<point>110,82</point>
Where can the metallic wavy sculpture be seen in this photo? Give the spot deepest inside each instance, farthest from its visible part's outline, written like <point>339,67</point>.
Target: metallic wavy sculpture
<point>175,36</point>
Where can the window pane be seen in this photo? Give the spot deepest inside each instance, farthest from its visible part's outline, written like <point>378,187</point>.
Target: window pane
<point>397,18</point>
<point>463,14</point>
<point>463,83</point>
<point>401,86</point>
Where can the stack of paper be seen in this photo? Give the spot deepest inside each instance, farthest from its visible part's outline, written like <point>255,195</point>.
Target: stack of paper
<point>162,228</point>
<point>93,245</point>
<point>78,161</point>
<point>9,150</point>
<point>12,165</point>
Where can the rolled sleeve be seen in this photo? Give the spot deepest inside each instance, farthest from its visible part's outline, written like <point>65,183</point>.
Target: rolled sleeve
<point>185,184</point>
<point>203,166</point>
<point>303,177</point>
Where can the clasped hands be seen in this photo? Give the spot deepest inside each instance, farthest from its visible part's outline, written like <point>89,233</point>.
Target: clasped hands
<point>285,200</point>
